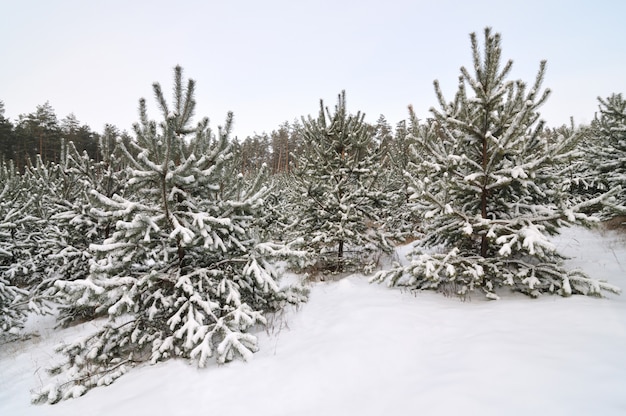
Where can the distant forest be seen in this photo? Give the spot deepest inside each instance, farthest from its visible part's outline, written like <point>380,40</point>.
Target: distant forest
<point>43,133</point>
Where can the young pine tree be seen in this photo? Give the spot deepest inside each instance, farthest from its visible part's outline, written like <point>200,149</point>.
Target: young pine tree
<point>74,227</point>
<point>336,193</point>
<point>25,243</point>
<point>183,273</point>
<point>483,181</point>
<point>13,218</point>
<point>606,157</point>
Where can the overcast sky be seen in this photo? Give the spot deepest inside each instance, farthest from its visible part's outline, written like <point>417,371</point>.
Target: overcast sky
<point>270,61</point>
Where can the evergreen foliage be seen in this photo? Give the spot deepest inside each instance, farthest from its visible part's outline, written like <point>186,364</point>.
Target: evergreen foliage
<point>183,274</point>
<point>24,238</point>
<point>398,214</point>
<point>606,156</point>
<point>335,192</point>
<point>12,308</point>
<point>25,244</point>
<point>12,297</point>
<point>7,138</point>
<point>41,135</point>
<point>483,180</point>
<point>73,225</point>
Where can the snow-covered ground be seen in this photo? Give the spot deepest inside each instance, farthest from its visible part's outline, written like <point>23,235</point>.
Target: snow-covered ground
<point>361,349</point>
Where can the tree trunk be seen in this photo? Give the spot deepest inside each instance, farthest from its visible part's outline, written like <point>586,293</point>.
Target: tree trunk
<point>287,155</point>
<point>340,256</point>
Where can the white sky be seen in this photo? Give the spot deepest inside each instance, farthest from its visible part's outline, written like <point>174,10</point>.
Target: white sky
<point>271,61</point>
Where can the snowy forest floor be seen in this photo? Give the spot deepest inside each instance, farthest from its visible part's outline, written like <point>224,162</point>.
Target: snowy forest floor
<point>364,349</point>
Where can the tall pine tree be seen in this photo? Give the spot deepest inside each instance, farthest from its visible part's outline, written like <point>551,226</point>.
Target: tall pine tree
<point>606,156</point>
<point>13,218</point>
<point>183,274</point>
<point>483,180</point>
<point>73,226</point>
<point>336,195</point>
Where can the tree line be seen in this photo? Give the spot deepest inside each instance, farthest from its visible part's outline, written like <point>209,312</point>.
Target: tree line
<point>41,135</point>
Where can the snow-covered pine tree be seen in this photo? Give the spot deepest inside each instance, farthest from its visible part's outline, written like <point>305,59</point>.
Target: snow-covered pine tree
<point>31,243</point>
<point>336,197</point>
<point>606,156</point>
<point>483,181</point>
<point>183,273</point>
<point>393,213</point>
<point>24,241</point>
<point>13,310</point>
<point>398,215</point>
<point>383,137</point>
<point>13,299</point>
<point>73,227</point>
